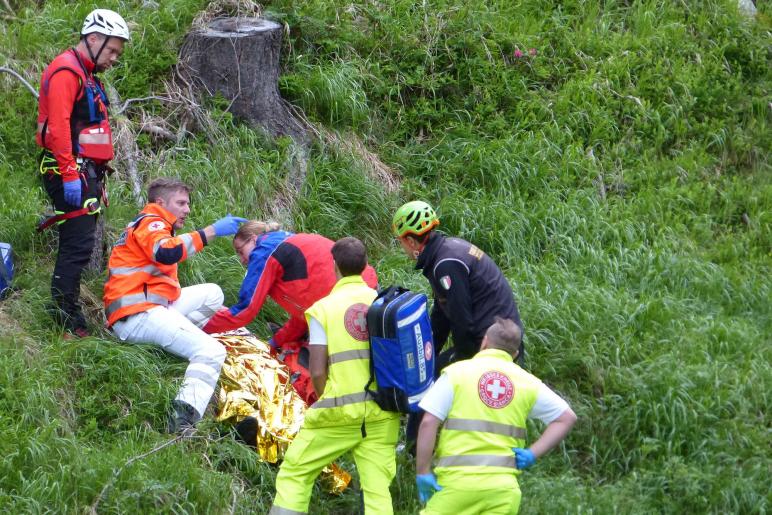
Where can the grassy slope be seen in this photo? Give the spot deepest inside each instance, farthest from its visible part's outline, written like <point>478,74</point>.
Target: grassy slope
<point>620,177</point>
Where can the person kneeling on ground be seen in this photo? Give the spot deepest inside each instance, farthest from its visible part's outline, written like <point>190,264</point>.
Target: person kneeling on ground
<point>144,302</point>
<point>344,418</point>
<point>482,404</point>
<point>295,270</point>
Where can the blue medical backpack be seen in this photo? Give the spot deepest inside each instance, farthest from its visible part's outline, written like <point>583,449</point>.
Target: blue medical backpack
<point>401,349</point>
<point>6,269</point>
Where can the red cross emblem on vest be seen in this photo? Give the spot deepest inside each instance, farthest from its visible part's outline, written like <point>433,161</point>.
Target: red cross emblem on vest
<point>495,389</point>
<point>355,321</point>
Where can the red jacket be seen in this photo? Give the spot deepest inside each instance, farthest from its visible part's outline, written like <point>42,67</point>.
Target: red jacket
<point>72,113</point>
<point>295,270</point>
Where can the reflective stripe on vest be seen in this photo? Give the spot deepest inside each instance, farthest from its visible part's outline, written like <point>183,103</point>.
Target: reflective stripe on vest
<point>128,270</point>
<point>137,298</point>
<point>190,246</point>
<point>187,240</point>
<point>343,400</point>
<point>477,460</point>
<point>278,510</point>
<point>348,355</point>
<point>486,426</point>
<point>94,139</point>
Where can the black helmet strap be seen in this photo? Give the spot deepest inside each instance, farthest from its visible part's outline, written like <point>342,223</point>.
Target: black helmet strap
<point>93,57</point>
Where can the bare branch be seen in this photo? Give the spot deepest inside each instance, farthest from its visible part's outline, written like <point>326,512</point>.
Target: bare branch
<point>158,131</point>
<point>117,472</point>
<point>22,79</point>
<point>130,101</point>
<point>125,142</point>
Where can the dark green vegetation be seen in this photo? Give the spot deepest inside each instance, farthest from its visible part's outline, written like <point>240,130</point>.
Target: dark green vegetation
<point>620,176</point>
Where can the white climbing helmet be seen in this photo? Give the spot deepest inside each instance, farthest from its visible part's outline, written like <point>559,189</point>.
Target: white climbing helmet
<point>107,22</point>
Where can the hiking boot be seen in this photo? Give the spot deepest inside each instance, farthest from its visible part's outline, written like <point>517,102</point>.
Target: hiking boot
<point>73,334</point>
<point>182,418</point>
<point>247,431</point>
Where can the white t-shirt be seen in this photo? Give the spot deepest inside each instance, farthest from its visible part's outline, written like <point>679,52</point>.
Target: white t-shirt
<point>439,399</point>
<point>316,334</point>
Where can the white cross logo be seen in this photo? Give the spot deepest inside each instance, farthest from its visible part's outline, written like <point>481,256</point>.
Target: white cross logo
<point>361,321</point>
<point>495,388</point>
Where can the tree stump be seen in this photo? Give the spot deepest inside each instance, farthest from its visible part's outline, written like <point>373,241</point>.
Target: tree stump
<point>239,58</point>
<point>98,260</point>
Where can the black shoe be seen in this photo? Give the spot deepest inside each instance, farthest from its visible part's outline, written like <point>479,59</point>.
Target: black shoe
<point>77,333</point>
<point>182,418</point>
<point>247,431</point>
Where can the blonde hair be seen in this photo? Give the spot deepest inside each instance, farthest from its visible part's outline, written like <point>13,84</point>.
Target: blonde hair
<point>255,228</point>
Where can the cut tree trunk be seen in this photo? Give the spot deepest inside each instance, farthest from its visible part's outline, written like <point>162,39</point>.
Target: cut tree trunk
<point>98,260</point>
<point>239,58</point>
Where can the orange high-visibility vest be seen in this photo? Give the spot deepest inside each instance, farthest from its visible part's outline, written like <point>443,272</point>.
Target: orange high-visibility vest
<point>143,264</point>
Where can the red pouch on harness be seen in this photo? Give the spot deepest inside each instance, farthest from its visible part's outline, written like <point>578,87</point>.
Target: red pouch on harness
<point>96,142</point>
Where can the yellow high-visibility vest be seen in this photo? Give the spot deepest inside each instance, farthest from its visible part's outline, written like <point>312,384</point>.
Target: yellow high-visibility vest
<point>343,314</point>
<point>492,397</point>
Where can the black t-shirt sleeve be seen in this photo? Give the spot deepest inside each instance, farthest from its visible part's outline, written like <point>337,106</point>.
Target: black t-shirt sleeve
<point>453,279</point>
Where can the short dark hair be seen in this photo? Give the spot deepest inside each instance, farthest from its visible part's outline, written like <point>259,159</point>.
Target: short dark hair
<point>350,255</point>
<point>161,188</point>
<point>505,335</point>
<point>100,37</point>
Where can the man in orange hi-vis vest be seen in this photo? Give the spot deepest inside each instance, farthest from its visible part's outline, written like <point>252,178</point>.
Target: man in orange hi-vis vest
<point>144,302</point>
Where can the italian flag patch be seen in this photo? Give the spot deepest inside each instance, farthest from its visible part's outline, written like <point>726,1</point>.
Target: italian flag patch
<point>445,281</point>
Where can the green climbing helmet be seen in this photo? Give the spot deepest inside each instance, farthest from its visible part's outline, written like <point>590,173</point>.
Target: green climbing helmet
<point>415,218</point>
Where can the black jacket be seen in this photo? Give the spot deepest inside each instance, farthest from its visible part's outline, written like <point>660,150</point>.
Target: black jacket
<point>469,291</point>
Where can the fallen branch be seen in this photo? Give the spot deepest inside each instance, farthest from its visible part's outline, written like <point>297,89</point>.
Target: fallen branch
<point>22,79</point>
<point>116,473</point>
<point>130,101</point>
<point>159,132</point>
<point>235,494</point>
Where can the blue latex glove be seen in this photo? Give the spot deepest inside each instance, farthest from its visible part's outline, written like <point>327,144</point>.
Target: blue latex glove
<point>72,190</point>
<point>524,458</point>
<point>427,485</point>
<point>272,343</point>
<point>228,225</point>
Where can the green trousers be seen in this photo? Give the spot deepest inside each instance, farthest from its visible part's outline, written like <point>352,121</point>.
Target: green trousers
<point>315,448</point>
<point>470,496</point>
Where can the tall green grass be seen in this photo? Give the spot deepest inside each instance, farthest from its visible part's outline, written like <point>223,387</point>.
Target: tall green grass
<point>620,177</point>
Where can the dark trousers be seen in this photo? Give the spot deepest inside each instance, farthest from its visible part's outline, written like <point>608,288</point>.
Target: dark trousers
<point>76,243</point>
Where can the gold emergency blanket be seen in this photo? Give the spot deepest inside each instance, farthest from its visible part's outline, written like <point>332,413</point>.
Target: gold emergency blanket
<point>255,384</point>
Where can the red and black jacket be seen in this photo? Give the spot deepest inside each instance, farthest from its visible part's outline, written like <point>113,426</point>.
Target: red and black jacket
<point>295,270</point>
<point>72,113</point>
